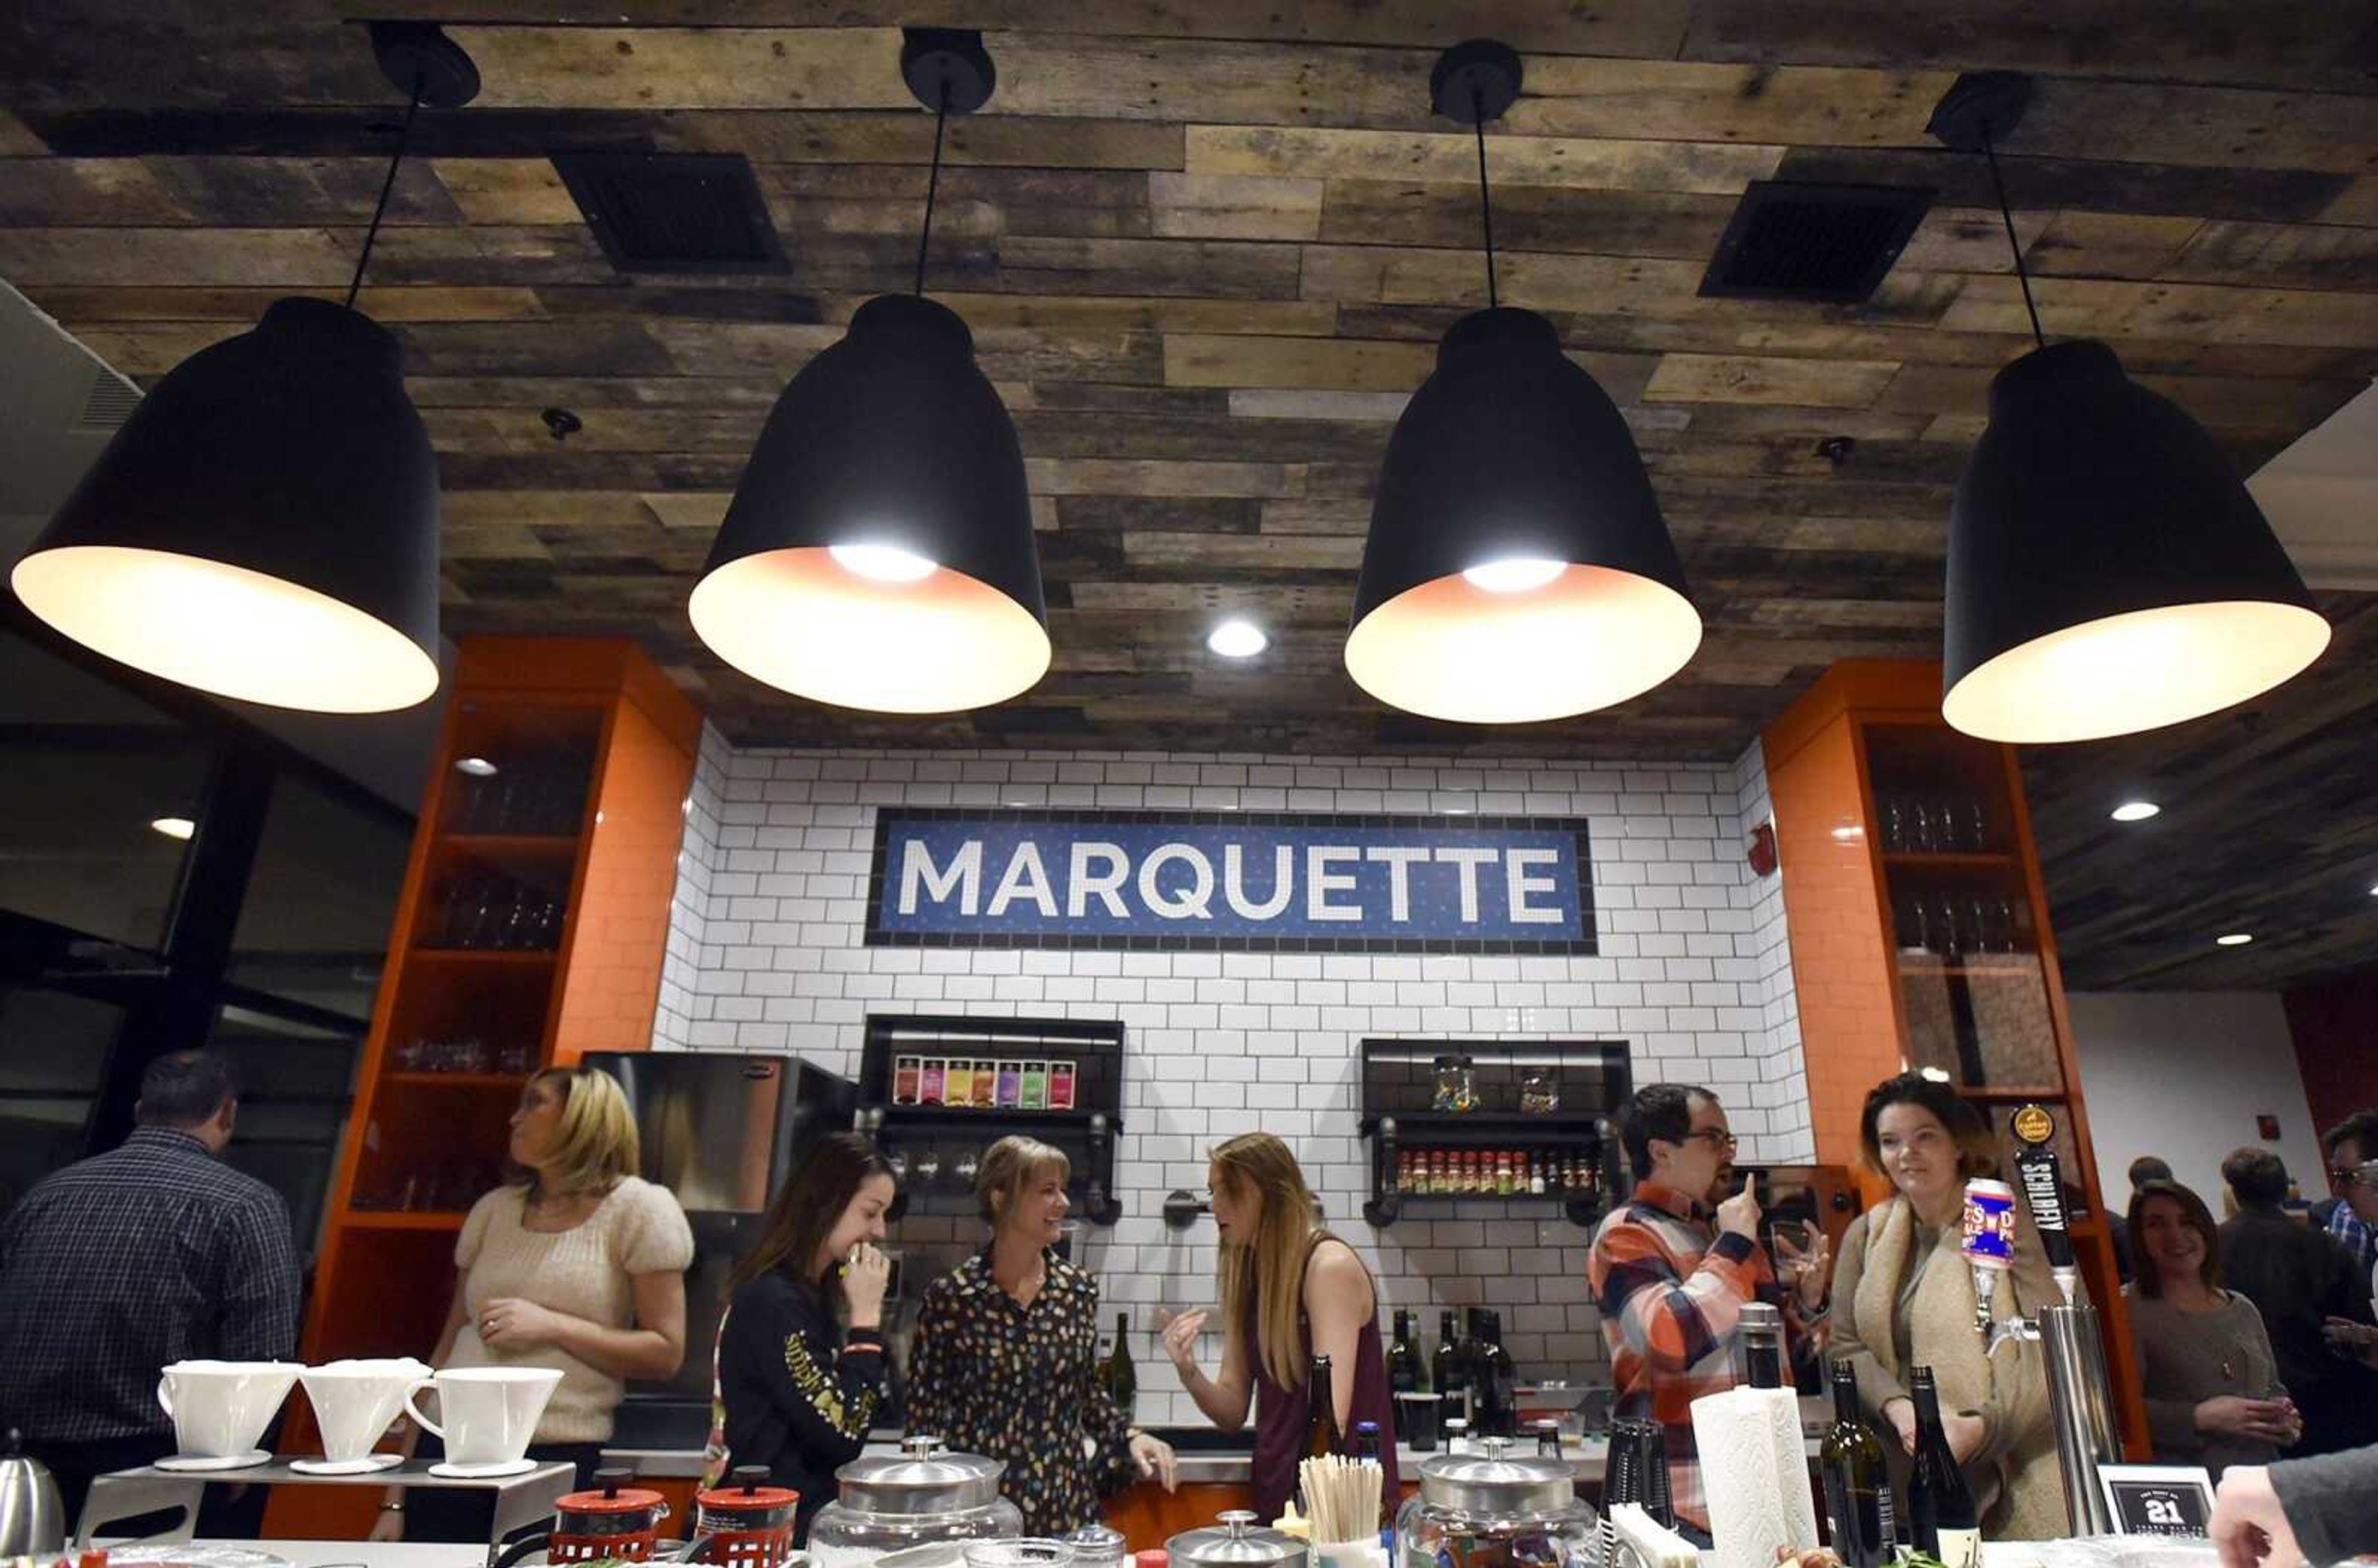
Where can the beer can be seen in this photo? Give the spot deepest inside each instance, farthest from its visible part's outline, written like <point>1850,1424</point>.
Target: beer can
<point>1990,1224</point>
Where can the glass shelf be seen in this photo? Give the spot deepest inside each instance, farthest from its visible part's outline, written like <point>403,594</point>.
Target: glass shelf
<point>511,1081</point>
<point>403,1219</point>
<point>1947,860</point>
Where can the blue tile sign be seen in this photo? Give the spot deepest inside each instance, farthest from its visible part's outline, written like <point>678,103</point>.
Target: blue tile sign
<point>1245,881</point>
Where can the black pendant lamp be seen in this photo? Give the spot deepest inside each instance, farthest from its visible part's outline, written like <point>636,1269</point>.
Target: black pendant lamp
<point>2109,572</point>
<point>1517,567</point>
<point>265,525</point>
<point>878,552</point>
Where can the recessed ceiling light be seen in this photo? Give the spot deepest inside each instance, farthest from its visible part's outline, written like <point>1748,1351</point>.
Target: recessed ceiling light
<point>1514,574</point>
<point>2373,892</point>
<point>1937,1074</point>
<point>2135,812</point>
<point>882,563</point>
<point>1849,834</point>
<point>2233,938</point>
<point>175,826</point>
<point>1237,640</point>
<point>477,767</point>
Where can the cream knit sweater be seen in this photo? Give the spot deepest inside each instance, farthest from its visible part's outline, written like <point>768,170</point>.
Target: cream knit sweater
<point>585,1270</point>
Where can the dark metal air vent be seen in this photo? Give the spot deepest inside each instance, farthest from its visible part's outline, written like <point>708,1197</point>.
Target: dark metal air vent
<point>1796,240</point>
<point>674,211</point>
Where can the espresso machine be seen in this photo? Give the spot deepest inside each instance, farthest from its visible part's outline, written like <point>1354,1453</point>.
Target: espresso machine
<point>2079,1392</point>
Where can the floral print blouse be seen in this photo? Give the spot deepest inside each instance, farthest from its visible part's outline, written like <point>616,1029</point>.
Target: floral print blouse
<point>1013,1382</point>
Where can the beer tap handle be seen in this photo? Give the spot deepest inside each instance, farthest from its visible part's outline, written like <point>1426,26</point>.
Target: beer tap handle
<point>2041,1175</point>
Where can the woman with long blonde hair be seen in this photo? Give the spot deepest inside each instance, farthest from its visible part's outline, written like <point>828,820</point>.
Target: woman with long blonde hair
<point>576,1263</point>
<point>1289,1292</point>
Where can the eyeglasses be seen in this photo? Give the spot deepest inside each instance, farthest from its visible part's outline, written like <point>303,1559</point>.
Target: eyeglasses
<point>2365,1173</point>
<point>1715,1138</point>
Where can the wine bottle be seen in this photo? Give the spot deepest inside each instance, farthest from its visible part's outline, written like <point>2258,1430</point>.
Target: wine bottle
<point>1403,1359</point>
<point>1448,1367</point>
<point>1857,1486</point>
<point>1321,1434</point>
<point>1940,1509</point>
<point>1492,1375</point>
<point>1118,1376</point>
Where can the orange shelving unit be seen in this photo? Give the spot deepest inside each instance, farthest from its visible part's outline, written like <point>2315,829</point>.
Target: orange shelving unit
<point>531,930</point>
<point>1920,936</point>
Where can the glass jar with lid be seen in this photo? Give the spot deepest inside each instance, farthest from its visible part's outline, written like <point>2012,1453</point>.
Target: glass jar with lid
<point>925,1496</point>
<point>1096,1546</point>
<point>1457,1084</point>
<point>1495,1507</point>
<point>1539,1089</point>
<point>1235,1542</point>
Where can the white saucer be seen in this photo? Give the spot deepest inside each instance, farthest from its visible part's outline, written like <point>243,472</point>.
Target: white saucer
<point>363,1466</point>
<point>486,1471</point>
<point>249,1460</point>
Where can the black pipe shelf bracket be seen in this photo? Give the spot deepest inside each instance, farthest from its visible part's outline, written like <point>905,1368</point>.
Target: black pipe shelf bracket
<point>1579,1087</point>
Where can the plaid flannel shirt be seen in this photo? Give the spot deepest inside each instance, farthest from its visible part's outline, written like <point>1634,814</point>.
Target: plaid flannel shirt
<point>2358,1239</point>
<point>1670,1295</point>
<point>121,1264</point>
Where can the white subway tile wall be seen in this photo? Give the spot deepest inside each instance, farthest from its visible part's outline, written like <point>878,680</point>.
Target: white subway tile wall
<point>765,954</point>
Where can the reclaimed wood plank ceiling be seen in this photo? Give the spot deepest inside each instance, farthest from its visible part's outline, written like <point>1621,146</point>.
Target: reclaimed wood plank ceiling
<point>1206,251</point>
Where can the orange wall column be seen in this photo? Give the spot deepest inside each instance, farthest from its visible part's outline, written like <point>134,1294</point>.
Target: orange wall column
<point>1834,910</point>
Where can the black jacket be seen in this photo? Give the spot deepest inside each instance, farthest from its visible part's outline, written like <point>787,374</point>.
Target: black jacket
<point>797,1401</point>
<point>2331,1502</point>
<point>2298,1276</point>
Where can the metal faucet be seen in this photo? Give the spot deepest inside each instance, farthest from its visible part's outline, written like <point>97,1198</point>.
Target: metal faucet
<point>2015,1328</point>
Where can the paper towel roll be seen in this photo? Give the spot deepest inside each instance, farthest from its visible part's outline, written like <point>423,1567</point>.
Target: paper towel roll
<point>1754,1475</point>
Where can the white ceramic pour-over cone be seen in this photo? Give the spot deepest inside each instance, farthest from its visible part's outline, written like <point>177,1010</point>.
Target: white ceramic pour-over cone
<point>221,1408</point>
<point>356,1402</point>
<point>491,1413</point>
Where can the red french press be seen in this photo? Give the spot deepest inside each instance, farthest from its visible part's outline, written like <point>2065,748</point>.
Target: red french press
<point>743,1523</point>
<point>614,1521</point>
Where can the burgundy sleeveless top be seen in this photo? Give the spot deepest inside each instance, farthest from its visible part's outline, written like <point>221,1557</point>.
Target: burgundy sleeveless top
<point>1283,1414</point>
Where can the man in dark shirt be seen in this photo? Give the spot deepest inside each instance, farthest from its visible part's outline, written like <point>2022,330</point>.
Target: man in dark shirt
<point>121,1264</point>
<point>2299,1277</point>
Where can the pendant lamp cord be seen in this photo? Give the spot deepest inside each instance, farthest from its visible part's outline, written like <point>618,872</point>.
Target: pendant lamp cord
<point>932,185</point>
<point>404,134</point>
<point>2021,274</point>
<point>1486,199</point>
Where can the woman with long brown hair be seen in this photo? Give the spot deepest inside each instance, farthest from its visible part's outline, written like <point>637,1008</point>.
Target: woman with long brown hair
<point>1290,1291</point>
<point>800,1367</point>
<point>2212,1386</point>
<point>1904,1298</point>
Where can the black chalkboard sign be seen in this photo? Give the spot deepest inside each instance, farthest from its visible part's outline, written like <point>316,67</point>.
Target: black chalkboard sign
<point>2157,1500</point>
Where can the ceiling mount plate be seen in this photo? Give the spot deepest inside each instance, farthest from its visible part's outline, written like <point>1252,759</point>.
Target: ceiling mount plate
<point>1980,107</point>
<point>1475,82</point>
<point>938,60</point>
<point>423,63</point>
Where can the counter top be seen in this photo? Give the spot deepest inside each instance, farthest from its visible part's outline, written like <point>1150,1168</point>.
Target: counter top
<point>412,1554</point>
<point>1226,1466</point>
<point>358,1554</point>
